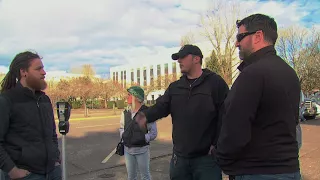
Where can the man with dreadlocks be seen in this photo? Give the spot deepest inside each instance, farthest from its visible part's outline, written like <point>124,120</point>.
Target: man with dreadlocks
<point>28,139</point>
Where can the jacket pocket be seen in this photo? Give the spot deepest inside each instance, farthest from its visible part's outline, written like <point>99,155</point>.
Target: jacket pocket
<point>32,156</point>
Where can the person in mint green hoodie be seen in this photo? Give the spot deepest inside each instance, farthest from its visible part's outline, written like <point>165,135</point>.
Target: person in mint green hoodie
<point>136,141</point>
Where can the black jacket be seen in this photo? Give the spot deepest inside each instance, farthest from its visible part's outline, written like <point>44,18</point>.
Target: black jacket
<point>28,136</point>
<point>194,111</point>
<point>258,133</point>
<point>133,136</point>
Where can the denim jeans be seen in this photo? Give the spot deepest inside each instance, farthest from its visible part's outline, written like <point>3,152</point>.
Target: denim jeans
<point>138,162</point>
<point>55,174</point>
<point>200,168</point>
<point>2,177</point>
<point>289,176</point>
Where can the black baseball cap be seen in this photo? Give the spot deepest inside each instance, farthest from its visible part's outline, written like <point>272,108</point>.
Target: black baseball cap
<point>186,50</point>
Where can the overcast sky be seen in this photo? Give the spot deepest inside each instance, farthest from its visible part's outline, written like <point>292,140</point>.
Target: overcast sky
<point>107,33</point>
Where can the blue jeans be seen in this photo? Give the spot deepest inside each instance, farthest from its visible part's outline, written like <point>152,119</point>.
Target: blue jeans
<point>55,174</point>
<point>289,176</point>
<point>199,168</point>
<point>2,177</point>
<point>138,162</point>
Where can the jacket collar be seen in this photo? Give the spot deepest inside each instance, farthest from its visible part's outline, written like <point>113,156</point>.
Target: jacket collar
<point>185,83</point>
<point>256,56</point>
<point>27,91</point>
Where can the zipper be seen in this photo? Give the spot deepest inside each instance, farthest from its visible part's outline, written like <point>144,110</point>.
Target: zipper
<point>43,134</point>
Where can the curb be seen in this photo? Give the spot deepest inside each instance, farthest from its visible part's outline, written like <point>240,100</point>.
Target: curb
<point>118,165</point>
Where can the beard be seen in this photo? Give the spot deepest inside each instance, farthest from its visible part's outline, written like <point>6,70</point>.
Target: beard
<point>184,69</point>
<point>36,83</point>
<point>244,53</point>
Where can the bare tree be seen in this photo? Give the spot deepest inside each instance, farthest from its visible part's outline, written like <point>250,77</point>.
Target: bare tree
<point>163,82</point>
<point>82,88</point>
<point>218,26</point>
<point>86,70</point>
<point>187,39</point>
<point>308,66</point>
<point>290,43</point>
<point>111,89</point>
<point>299,47</point>
<point>58,91</point>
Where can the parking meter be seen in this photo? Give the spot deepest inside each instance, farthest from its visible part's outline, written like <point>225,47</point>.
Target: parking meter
<point>63,111</point>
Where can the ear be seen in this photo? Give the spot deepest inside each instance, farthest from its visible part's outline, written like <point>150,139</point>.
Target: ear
<point>258,37</point>
<point>196,59</point>
<point>23,73</point>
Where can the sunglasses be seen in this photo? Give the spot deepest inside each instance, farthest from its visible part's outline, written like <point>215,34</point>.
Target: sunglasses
<point>243,35</point>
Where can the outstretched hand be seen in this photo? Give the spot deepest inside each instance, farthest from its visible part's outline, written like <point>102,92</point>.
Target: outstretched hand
<point>141,120</point>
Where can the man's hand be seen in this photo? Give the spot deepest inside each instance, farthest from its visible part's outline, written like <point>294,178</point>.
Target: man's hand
<point>57,164</point>
<point>212,150</point>
<point>17,173</point>
<point>142,121</point>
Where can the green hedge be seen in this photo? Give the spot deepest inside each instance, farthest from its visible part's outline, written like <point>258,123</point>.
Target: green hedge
<point>76,104</point>
<point>96,104</point>
<point>110,104</point>
<point>120,104</point>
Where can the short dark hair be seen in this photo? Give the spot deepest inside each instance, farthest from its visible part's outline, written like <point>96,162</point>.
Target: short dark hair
<point>261,22</point>
<point>20,61</point>
<point>199,57</point>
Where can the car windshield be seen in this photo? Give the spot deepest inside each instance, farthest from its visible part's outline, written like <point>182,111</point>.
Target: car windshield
<point>315,97</point>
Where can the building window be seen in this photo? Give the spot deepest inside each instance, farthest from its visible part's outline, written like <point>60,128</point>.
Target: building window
<point>151,76</point>
<point>159,76</point>
<point>158,70</point>
<point>125,78</point>
<point>174,70</point>
<point>114,76</point>
<point>117,76</point>
<point>166,69</point>
<point>138,75</point>
<point>166,75</point>
<point>132,77</point>
<point>121,77</point>
<point>144,77</point>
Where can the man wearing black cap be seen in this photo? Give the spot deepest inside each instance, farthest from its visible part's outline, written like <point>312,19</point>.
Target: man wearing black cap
<point>194,102</point>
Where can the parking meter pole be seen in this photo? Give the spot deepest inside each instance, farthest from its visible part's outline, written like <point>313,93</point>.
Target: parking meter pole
<point>63,110</point>
<point>64,168</point>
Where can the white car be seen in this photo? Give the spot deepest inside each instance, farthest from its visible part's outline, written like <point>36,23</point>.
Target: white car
<point>318,108</point>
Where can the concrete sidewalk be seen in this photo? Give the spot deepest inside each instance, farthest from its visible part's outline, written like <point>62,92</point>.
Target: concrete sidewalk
<point>159,168</point>
<point>309,160</point>
<point>91,167</point>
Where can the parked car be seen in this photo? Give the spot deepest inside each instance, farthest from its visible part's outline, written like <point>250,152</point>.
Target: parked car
<point>311,109</point>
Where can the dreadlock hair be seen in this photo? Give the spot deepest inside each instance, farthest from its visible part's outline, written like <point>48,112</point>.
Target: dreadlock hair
<point>20,61</point>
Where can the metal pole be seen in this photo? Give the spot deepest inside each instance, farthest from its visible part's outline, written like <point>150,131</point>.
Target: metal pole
<point>64,174</point>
